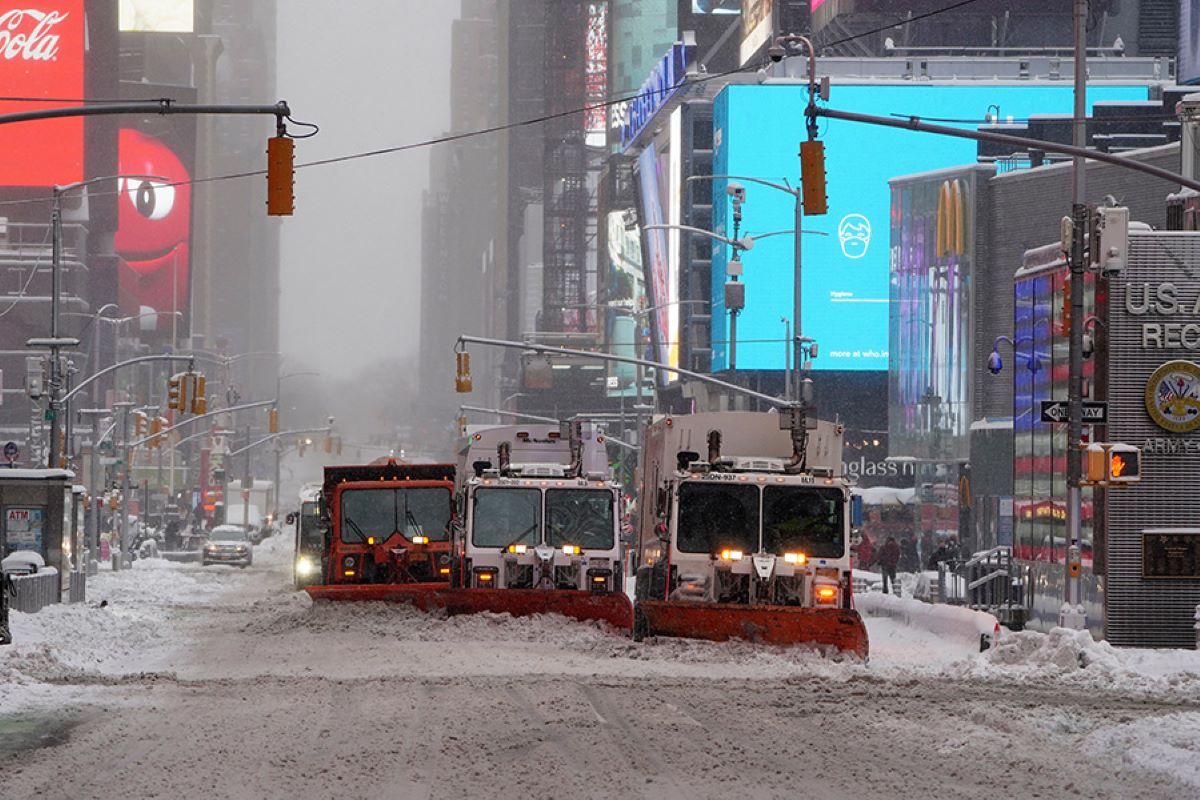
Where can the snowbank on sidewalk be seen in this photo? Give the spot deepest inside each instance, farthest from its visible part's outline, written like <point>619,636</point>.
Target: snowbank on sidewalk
<point>953,622</point>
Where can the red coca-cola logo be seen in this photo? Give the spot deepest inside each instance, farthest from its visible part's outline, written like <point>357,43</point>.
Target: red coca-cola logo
<point>27,34</point>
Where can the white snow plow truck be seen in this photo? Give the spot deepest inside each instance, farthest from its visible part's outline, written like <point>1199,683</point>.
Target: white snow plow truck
<point>540,524</point>
<point>744,531</point>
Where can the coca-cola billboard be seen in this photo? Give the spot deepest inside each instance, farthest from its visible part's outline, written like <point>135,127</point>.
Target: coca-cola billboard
<point>41,58</point>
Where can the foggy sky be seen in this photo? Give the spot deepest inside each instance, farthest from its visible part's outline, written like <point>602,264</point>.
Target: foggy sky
<point>371,73</point>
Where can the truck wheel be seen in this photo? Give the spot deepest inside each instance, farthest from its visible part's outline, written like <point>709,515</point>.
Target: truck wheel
<point>640,627</point>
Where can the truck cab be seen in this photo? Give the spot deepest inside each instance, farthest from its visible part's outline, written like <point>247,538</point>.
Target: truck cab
<point>539,511</point>
<point>752,538</point>
<point>388,524</point>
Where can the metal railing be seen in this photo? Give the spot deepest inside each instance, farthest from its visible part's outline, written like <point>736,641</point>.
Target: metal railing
<point>987,581</point>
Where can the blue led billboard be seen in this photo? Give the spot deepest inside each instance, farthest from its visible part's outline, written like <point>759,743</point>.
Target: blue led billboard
<point>757,131</point>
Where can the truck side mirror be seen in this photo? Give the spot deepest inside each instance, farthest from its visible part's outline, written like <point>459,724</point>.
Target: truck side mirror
<point>662,501</point>
<point>856,511</point>
<point>290,519</point>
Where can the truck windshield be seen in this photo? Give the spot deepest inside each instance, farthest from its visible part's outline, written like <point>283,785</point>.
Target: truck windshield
<point>379,513</point>
<point>310,525</point>
<point>717,516</point>
<point>582,517</point>
<point>501,517</point>
<point>804,520</point>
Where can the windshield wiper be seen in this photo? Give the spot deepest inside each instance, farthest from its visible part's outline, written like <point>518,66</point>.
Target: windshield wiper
<point>362,537</point>
<point>411,521</point>
<point>524,533</point>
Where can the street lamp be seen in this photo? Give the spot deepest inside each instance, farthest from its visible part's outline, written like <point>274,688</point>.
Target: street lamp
<point>55,342</point>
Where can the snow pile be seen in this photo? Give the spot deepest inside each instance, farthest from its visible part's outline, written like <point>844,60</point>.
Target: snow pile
<point>1059,650</point>
<point>955,622</point>
<point>1170,741</point>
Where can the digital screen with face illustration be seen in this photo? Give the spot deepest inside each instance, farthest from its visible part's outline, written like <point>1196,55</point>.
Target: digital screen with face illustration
<point>844,286</point>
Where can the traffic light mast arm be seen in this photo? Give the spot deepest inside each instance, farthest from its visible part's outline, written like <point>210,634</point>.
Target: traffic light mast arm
<point>693,376</point>
<point>164,106</point>
<point>915,124</point>
<point>273,436</point>
<point>198,417</point>
<point>187,359</point>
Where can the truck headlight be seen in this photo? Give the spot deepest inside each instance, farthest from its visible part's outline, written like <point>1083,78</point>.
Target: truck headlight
<point>795,558</point>
<point>731,555</point>
<point>304,566</point>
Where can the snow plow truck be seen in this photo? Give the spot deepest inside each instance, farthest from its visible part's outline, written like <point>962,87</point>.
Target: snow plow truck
<point>387,532</point>
<point>744,531</point>
<point>539,524</point>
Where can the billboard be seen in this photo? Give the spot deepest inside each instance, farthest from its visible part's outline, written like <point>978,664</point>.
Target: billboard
<point>716,6</point>
<point>626,328</point>
<point>758,26</point>
<point>41,56</point>
<point>159,16</point>
<point>154,225</point>
<point>1188,65</point>
<point>845,273</point>
<point>653,174</point>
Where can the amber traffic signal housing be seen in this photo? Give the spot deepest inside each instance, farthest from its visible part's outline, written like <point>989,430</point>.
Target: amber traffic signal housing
<point>280,176</point>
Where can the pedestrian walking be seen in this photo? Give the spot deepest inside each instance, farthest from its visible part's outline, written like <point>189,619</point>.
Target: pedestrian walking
<point>887,559</point>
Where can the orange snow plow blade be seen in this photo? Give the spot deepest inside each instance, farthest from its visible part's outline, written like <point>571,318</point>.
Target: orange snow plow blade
<point>615,609</point>
<point>842,628</point>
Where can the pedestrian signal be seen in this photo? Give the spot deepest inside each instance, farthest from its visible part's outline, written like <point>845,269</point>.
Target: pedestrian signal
<point>1124,464</point>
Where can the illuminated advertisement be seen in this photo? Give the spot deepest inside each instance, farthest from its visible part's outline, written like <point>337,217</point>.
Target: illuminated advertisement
<point>628,334</point>
<point>933,248</point>
<point>161,16</point>
<point>716,6</point>
<point>1188,66</point>
<point>846,261</point>
<point>41,56</point>
<point>652,180</point>
<point>154,215</point>
<point>595,73</point>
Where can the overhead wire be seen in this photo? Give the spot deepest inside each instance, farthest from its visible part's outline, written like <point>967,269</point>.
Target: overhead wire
<point>455,137</point>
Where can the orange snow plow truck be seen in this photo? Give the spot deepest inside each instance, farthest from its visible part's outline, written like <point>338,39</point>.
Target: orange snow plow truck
<point>744,531</point>
<point>387,531</point>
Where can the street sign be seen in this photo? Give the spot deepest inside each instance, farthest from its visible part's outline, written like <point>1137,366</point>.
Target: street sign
<point>1094,412</point>
<point>108,461</point>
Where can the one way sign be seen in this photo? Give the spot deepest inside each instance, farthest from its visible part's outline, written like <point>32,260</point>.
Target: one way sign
<point>1056,411</point>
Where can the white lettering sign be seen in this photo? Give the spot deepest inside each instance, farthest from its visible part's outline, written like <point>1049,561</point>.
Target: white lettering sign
<point>26,34</point>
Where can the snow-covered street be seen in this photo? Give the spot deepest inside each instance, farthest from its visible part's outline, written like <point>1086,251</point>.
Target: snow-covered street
<point>225,683</point>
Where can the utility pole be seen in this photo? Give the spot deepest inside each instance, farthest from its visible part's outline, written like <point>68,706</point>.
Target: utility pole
<point>1073,614</point>
<point>126,451</point>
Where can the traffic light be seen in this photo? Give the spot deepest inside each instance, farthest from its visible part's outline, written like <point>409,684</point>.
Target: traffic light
<point>812,177</point>
<point>177,390</point>
<point>280,176</point>
<point>140,423</point>
<point>272,420</point>
<point>199,399</point>
<point>462,377</point>
<point>1124,464</point>
<point>157,425</point>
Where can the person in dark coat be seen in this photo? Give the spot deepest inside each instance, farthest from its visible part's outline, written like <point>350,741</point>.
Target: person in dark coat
<point>944,552</point>
<point>887,559</point>
<point>909,560</point>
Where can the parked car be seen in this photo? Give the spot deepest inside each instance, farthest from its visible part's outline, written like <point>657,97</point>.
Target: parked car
<point>228,544</point>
